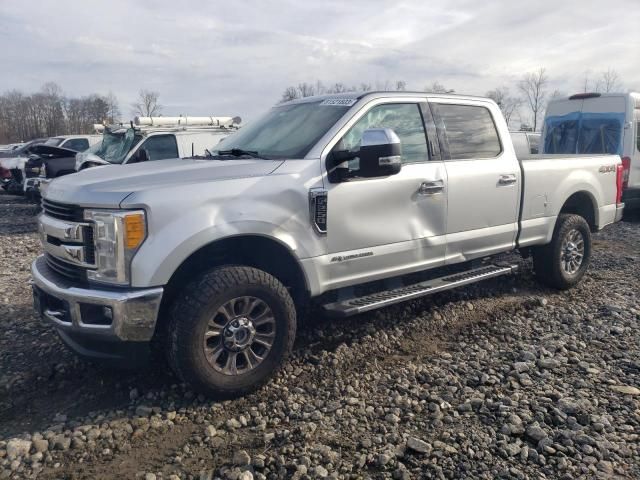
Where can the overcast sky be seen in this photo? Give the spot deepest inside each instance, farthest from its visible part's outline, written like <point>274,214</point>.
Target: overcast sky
<point>236,57</point>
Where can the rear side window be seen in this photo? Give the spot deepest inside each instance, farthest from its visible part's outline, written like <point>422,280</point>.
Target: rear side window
<point>638,136</point>
<point>161,147</point>
<point>470,130</point>
<point>77,144</point>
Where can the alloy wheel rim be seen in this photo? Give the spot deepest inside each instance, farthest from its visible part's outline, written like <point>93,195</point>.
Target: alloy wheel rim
<point>572,252</point>
<point>239,335</point>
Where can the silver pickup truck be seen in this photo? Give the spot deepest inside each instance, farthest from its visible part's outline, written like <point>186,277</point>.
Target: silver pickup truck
<point>215,259</point>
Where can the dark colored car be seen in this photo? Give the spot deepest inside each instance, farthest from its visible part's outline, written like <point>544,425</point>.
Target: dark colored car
<point>47,162</point>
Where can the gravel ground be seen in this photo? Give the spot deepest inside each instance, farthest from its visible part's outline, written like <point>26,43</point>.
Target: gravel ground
<point>504,379</point>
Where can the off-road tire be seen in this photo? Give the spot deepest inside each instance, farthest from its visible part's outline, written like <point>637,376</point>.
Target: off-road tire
<point>192,311</point>
<point>547,259</point>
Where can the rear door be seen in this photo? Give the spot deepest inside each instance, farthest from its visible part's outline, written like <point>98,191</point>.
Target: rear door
<point>483,178</point>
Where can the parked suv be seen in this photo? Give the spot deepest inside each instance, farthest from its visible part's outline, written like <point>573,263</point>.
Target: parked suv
<point>351,202</point>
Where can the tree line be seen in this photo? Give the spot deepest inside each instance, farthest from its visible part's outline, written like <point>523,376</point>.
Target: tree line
<point>49,112</point>
<point>524,108</point>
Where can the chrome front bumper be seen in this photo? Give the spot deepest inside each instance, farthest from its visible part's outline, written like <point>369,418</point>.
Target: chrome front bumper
<point>116,315</point>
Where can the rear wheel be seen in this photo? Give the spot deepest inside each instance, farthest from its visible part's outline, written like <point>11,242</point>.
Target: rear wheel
<point>231,330</point>
<point>563,262</point>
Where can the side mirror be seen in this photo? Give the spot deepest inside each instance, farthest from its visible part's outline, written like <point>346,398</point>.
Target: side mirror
<point>380,153</point>
<point>142,155</point>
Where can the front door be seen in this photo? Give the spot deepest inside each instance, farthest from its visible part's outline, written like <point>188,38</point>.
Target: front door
<point>483,182</point>
<point>381,227</point>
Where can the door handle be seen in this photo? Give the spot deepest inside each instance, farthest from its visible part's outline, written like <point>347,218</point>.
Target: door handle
<point>507,179</point>
<point>431,188</point>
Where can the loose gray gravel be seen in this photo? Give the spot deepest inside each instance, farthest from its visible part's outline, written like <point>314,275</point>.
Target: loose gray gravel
<point>504,379</point>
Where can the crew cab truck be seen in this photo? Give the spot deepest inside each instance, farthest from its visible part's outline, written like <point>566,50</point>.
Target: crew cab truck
<point>332,200</point>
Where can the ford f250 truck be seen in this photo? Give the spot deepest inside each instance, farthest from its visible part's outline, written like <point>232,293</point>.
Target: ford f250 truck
<point>329,200</point>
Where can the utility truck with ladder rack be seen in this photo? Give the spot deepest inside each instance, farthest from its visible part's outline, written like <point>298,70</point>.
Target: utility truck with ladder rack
<point>215,259</point>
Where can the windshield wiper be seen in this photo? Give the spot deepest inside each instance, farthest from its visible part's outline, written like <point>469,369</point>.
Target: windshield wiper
<point>239,152</point>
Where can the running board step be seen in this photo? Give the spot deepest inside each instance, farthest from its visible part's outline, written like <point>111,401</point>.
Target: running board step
<point>354,306</point>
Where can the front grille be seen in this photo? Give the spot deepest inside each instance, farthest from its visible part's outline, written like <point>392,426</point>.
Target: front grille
<point>67,270</point>
<point>61,211</point>
<point>89,246</point>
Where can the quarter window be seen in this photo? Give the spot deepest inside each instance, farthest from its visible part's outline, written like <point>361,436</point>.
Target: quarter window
<point>161,147</point>
<point>471,132</point>
<point>404,118</point>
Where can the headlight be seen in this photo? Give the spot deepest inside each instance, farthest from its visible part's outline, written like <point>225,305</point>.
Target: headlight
<point>118,235</point>
<point>43,170</point>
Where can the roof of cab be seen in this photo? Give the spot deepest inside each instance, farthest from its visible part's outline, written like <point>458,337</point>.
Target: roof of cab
<point>384,94</point>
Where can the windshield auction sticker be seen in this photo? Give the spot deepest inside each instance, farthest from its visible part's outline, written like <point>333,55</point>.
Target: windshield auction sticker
<point>339,102</point>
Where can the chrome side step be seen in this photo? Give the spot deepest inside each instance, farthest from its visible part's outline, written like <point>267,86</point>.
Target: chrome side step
<point>354,306</point>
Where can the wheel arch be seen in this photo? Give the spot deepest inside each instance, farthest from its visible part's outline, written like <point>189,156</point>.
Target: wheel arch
<point>254,250</point>
<point>582,203</point>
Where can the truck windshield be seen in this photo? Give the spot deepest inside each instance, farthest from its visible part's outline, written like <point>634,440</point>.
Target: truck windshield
<point>286,131</point>
<point>115,145</point>
<point>584,133</point>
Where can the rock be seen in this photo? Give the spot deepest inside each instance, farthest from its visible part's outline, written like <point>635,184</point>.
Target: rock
<point>384,459</point>
<point>40,445</point>
<point>536,433</point>
<point>625,389</point>
<point>568,406</point>
<point>418,445</point>
<point>17,448</point>
<point>61,442</point>
<point>246,475</point>
<point>150,476</point>
<point>320,471</point>
<point>512,449</point>
<point>210,431</point>
<point>521,367</point>
<point>241,458</point>
<point>233,423</point>
<point>392,418</point>
<point>548,363</point>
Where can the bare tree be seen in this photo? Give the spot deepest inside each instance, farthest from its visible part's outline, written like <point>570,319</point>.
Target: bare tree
<point>437,87</point>
<point>609,81</point>
<point>508,105</point>
<point>113,108</point>
<point>534,89</point>
<point>306,89</point>
<point>147,104</point>
<point>586,82</point>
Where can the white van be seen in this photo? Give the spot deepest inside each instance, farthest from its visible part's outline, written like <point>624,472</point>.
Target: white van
<point>156,138</point>
<point>589,123</point>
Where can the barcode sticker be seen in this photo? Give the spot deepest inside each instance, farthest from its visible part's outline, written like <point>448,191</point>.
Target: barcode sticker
<point>339,102</point>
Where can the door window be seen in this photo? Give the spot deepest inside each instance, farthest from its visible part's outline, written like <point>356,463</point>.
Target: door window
<point>404,118</point>
<point>77,144</point>
<point>161,147</point>
<point>470,130</point>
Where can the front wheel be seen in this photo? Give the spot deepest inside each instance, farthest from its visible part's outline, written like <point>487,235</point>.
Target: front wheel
<point>563,262</point>
<point>231,330</point>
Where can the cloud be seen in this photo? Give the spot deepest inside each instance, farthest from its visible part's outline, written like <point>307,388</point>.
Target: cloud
<point>237,57</point>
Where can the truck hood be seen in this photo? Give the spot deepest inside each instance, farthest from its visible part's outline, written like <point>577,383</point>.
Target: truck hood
<point>108,186</point>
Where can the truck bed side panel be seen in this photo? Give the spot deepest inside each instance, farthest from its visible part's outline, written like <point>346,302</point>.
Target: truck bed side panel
<point>549,182</point>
